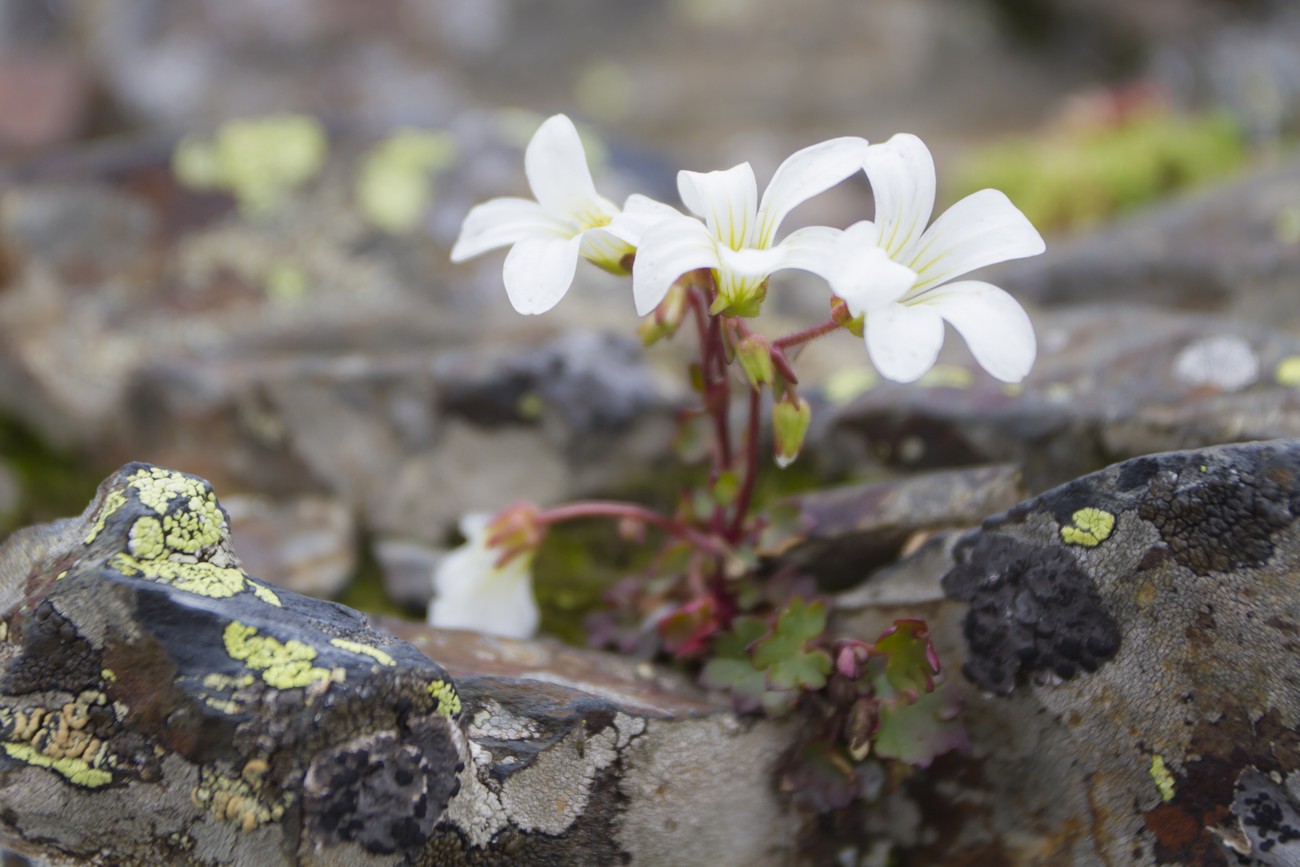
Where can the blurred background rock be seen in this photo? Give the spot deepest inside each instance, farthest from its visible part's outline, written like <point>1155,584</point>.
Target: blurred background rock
<point>268,302</point>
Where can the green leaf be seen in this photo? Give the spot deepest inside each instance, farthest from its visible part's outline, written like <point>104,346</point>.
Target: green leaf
<point>909,657</point>
<point>731,668</point>
<point>785,654</point>
<point>919,731</point>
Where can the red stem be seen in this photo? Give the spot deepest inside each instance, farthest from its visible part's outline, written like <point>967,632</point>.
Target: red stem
<point>616,509</point>
<point>751,467</point>
<point>807,334</point>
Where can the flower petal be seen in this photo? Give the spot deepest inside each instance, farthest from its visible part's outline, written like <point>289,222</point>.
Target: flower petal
<point>501,222</point>
<point>903,341</point>
<point>901,172</point>
<point>862,273</point>
<point>995,326</point>
<point>981,229</point>
<point>639,214</point>
<point>539,271</point>
<point>471,592</point>
<point>803,175</point>
<point>668,250</point>
<point>726,200</point>
<point>557,171</point>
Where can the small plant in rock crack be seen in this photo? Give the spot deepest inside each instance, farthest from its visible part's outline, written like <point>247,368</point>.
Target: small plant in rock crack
<point>894,282</point>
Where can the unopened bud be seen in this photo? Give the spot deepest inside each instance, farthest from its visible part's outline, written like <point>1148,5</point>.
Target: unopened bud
<point>665,319</point>
<point>790,419</point>
<point>755,357</point>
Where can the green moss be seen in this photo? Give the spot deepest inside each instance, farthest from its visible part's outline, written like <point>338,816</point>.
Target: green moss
<point>1081,178</point>
<point>52,483</point>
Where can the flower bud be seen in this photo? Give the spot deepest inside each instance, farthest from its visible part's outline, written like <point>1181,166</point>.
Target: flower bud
<point>665,319</point>
<point>755,357</point>
<point>790,419</point>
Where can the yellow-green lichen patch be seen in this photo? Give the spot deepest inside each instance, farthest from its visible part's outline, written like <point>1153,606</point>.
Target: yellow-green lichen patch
<point>394,187</point>
<point>202,579</point>
<point>241,799</point>
<point>158,488</point>
<point>112,502</point>
<point>284,665</point>
<point>264,593</point>
<point>363,649</point>
<point>145,540</point>
<point>947,376</point>
<point>108,674</point>
<point>1163,779</point>
<point>1288,371</point>
<point>448,700</point>
<point>258,160</point>
<point>63,739</point>
<point>847,383</point>
<point>197,526</point>
<point>1090,527</point>
<point>78,771</point>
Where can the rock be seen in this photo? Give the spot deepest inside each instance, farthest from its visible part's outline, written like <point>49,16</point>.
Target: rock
<point>1128,642</point>
<point>842,534</point>
<point>1227,248</point>
<point>160,705</point>
<point>217,720</point>
<point>1109,384</point>
<point>407,570</point>
<point>383,376</point>
<point>307,545</point>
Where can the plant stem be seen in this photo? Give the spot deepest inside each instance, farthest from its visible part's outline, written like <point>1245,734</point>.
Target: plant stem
<point>806,335</point>
<point>736,531</point>
<point>618,509</point>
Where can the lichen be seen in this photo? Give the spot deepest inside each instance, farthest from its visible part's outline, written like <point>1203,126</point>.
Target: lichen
<point>1163,779</point>
<point>239,798</point>
<point>258,160</point>
<point>202,579</point>
<point>448,700</point>
<point>283,665</point>
<point>77,771</point>
<point>112,502</point>
<point>66,739</point>
<point>1090,527</point>
<point>364,650</point>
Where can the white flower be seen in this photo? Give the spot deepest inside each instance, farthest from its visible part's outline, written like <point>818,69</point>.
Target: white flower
<point>473,592</point>
<point>738,235</point>
<point>895,271</point>
<point>568,220</point>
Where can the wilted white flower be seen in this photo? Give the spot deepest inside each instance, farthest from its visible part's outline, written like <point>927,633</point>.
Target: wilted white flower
<point>568,220</point>
<point>895,271</point>
<point>471,591</point>
<point>737,238</point>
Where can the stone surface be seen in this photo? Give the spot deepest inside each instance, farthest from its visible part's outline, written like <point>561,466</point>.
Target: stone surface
<point>1128,642</point>
<point>839,535</point>
<point>1110,383</point>
<point>160,705</point>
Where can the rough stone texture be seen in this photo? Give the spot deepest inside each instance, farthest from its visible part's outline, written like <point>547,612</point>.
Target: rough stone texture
<point>1129,646</point>
<point>390,376</point>
<point>839,535</point>
<point>160,705</point>
<point>1110,383</point>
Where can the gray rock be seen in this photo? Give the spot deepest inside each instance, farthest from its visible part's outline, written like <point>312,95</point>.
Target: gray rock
<point>307,545</point>
<point>1109,384</point>
<point>1128,642</point>
<point>158,704</point>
